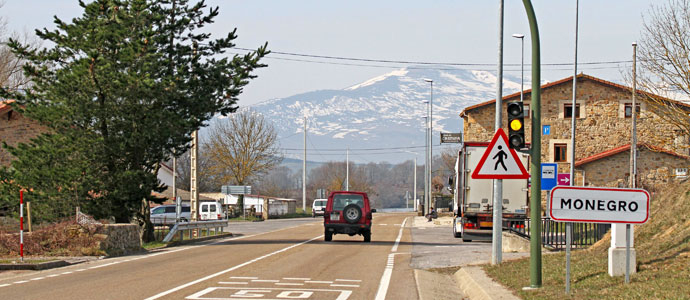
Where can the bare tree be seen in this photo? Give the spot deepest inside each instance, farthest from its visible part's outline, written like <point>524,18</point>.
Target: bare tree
<point>242,147</point>
<point>11,72</point>
<point>663,55</point>
<point>207,182</point>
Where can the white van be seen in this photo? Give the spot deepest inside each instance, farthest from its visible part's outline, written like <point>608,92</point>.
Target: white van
<point>210,211</point>
<point>165,214</point>
<point>318,207</point>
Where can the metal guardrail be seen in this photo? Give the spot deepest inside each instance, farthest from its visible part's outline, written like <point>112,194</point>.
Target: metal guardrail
<point>191,226</point>
<point>553,233</point>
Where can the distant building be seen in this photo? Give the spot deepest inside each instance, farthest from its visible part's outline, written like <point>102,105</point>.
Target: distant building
<point>603,111</point>
<point>15,129</point>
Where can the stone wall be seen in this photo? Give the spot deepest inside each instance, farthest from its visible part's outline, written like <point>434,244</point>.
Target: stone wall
<point>120,239</point>
<point>14,129</point>
<point>654,169</point>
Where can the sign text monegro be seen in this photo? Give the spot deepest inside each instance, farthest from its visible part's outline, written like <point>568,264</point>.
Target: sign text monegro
<point>598,205</point>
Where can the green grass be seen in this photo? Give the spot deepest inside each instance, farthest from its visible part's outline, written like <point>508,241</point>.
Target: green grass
<point>663,257</point>
<point>26,261</point>
<point>153,245</point>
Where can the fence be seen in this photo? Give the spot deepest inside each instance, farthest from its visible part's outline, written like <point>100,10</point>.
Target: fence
<point>553,233</point>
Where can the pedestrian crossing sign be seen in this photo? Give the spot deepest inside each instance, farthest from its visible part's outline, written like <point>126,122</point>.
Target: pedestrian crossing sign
<point>500,161</point>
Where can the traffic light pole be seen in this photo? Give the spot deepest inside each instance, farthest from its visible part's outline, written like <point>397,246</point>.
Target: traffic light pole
<point>535,157</point>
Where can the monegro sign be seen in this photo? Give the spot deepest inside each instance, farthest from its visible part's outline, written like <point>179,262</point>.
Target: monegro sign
<point>599,205</point>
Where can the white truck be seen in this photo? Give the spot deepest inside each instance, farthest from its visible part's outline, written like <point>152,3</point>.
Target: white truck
<point>473,198</point>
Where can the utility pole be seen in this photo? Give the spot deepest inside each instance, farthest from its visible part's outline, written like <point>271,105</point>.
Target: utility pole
<point>535,152</point>
<point>497,232</point>
<point>194,191</point>
<point>569,226</point>
<point>304,170</point>
<point>414,171</point>
<point>633,158</point>
<point>347,169</point>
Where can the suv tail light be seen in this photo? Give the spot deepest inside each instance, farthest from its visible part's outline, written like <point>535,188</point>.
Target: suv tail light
<point>470,225</point>
<point>218,216</point>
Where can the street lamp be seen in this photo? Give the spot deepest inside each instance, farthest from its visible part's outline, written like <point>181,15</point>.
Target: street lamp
<point>426,158</point>
<point>522,63</point>
<point>431,146</point>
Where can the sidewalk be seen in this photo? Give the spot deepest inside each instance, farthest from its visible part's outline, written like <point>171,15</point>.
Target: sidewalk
<point>436,247</point>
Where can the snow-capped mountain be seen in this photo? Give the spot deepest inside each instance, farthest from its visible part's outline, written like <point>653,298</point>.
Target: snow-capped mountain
<point>384,112</point>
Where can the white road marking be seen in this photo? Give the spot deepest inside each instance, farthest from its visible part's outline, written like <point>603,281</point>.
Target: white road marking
<point>229,282</point>
<point>287,283</point>
<point>53,275</point>
<point>293,278</point>
<point>65,273</point>
<point>80,270</point>
<point>23,281</point>
<point>38,278</point>
<point>343,294</point>
<point>349,280</point>
<point>248,278</point>
<point>383,224</point>
<point>4,285</point>
<point>265,280</point>
<point>386,277</point>
<point>230,269</point>
<point>397,240</point>
<point>317,281</point>
<point>344,285</point>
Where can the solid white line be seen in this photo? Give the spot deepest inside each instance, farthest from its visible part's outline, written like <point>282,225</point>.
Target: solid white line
<point>285,283</point>
<point>385,280</point>
<point>230,269</point>
<point>344,285</point>
<point>228,282</point>
<point>248,278</point>
<point>293,278</point>
<point>317,281</point>
<point>397,241</point>
<point>349,280</point>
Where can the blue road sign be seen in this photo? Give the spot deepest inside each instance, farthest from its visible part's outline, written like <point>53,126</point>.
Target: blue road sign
<point>546,129</point>
<point>549,176</point>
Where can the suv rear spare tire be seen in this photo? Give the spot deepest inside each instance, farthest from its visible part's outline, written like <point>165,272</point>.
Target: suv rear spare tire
<point>352,213</point>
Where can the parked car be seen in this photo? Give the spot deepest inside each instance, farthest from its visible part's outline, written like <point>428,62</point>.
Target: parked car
<point>318,207</point>
<point>348,213</point>
<point>210,211</point>
<point>165,214</point>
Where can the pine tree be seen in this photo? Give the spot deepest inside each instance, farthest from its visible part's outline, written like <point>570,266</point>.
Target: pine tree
<point>130,80</point>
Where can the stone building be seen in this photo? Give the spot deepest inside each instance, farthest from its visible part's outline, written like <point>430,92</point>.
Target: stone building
<point>603,121</point>
<point>14,129</point>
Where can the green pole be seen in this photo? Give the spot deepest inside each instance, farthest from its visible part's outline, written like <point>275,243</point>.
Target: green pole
<point>535,155</point>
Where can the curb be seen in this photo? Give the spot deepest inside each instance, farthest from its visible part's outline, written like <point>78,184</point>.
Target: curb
<point>474,282</point>
<point>40,266</point>
<point>201,239</point>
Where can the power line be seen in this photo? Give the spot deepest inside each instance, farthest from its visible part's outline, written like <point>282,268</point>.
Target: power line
<point>428,63</point>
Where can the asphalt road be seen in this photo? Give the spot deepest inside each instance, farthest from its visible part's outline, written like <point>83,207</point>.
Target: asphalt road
<point>282,259</point>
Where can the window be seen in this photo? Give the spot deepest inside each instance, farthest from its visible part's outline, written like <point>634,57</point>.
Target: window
<point>560,152</point>
<point>213,208</point>
<point>525,110</point>
<point>158,210</point>
<point>170,209</point>
<point>628,110</point>
<point>568,110</point>
<point>204,208</point>
<point>342,200</point>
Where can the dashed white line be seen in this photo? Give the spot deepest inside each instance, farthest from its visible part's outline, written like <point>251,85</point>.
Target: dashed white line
<point>248,278</point>
<point>65,273</point>
<point>265,280</point>
<point>288,283</point>
<point>344,285</point>
<point>294,278</point>
<point>37,278</point>
<point>4,285</point>
<point>349,280</point>
<point>53,275</point>
<point>232,282</point>
<point>318,281</point>
<point>80,270</point>
<point>386,277</point>
<point>23,281</point>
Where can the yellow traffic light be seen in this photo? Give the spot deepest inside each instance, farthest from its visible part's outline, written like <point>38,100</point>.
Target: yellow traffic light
<point>516,125</point>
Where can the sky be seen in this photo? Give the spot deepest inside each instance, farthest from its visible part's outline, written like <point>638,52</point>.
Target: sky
<point>448,31</point>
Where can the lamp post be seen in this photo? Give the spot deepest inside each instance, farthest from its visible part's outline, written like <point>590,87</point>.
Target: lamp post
<point>522,63</point>
<point>431,146</point>
<point>426,159</point>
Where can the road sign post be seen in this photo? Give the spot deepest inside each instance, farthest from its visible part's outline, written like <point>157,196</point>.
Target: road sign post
<point>600,205</point>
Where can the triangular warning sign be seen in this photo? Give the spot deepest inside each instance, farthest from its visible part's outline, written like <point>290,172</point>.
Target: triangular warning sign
<point>500,161</point>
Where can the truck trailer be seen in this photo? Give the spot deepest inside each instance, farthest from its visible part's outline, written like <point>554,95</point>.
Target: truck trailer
<point>473,198</point>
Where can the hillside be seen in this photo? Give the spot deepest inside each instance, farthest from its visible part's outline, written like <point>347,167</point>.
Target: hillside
<point>663,256</point>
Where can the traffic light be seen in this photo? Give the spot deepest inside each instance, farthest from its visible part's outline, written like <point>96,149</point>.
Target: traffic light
<point>516,125</point>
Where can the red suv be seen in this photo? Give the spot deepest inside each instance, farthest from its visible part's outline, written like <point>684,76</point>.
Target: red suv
<point>348,213</point>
